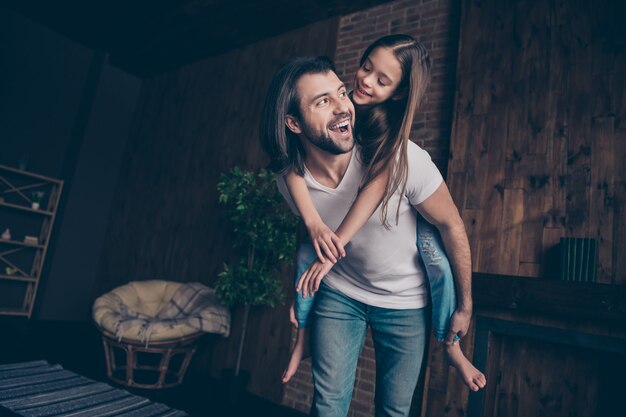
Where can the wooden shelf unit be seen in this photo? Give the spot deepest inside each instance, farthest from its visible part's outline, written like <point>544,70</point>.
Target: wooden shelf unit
<point>21,262</point>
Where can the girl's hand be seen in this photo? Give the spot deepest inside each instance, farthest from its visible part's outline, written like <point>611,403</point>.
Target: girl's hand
<point>326,242</point>
<point>310,280</point>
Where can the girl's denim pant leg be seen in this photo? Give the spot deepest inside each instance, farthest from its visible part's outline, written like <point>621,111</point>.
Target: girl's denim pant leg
<point>306,255</point>
<point>439,272</point>
<point>338,332</point>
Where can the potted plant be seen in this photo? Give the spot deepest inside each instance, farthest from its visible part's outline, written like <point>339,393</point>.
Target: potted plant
<point>263,233</point>
<point>36,198</point>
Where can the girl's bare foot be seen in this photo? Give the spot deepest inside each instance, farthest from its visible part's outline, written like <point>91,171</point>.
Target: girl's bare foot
<point>471,376</point>
<point>296,357</point>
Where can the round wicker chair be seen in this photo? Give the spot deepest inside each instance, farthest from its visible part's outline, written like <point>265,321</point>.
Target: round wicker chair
<point>150,329</point>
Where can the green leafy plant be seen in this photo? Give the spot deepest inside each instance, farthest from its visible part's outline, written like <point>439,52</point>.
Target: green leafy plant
<point>263,237</point>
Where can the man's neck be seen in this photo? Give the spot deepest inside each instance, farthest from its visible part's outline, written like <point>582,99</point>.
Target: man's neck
<point>326,168</point>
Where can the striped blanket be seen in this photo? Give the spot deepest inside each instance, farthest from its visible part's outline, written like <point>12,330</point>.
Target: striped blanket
<point>37,389</point>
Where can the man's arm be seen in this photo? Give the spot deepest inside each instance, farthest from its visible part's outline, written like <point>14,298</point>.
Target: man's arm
<point>440,210</point>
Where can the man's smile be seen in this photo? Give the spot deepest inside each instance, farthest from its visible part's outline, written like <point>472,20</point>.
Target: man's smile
<point>341,126</point>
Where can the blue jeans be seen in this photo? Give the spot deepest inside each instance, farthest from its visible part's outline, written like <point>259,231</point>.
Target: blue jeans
<point>439,273</point>
<point>304,257</point>
<point>337,335</point>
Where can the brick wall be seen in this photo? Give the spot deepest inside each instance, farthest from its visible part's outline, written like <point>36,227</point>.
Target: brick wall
<point>434,23</point>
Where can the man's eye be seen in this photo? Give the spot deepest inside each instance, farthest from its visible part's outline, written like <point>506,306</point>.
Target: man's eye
<point>342,94</point>
<point>322,101</point>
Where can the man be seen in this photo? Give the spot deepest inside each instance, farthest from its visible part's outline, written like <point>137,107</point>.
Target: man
<point>381,282</point>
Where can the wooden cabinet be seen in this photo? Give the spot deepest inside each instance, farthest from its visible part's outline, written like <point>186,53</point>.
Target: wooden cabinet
<point>28,206</point>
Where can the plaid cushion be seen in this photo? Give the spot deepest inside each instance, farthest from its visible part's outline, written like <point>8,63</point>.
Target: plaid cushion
<point>184,309</point>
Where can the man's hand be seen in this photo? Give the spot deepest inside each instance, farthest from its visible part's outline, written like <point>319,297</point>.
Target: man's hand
<point>310,280</point>
<point>459,325</point>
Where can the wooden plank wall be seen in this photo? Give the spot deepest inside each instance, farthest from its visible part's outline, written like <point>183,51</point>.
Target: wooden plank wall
<point>537,153</point>
<point>539,133</point>
<point>190,125</point>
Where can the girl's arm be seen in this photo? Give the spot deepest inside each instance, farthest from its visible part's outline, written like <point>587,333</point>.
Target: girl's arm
<point>362,209</point>
<point>322,238</point>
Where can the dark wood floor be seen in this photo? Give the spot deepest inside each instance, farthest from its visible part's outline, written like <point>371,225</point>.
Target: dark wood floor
<point>78,347</point>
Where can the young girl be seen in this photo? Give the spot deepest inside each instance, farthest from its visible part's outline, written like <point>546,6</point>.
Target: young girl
<point>389,85</point>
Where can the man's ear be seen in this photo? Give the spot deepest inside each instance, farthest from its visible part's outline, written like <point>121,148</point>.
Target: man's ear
<point>292,124</point>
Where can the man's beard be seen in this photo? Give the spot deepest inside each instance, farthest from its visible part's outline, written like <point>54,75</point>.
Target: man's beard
<point>325,142</point>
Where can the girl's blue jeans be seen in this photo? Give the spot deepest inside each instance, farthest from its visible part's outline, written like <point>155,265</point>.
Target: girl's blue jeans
<point>440,279</point>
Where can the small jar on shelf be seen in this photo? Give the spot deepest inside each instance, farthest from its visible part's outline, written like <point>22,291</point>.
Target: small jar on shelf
<point>37,197</point>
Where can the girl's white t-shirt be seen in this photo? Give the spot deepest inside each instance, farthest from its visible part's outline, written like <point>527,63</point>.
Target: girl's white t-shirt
<point>382,266</point>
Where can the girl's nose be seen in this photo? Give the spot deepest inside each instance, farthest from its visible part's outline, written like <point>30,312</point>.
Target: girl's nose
<point>367,81</point>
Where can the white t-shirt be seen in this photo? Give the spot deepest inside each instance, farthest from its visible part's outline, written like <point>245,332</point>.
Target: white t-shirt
<point>382,267</point>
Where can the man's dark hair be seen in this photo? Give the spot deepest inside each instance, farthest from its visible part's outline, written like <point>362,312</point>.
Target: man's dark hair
<point>282,145</point>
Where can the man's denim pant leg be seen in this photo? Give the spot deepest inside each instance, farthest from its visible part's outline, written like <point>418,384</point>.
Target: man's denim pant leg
<point>338,332</point>
<point>439,273</point>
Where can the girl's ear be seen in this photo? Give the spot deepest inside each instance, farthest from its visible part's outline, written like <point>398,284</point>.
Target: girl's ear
<point>292,124</point>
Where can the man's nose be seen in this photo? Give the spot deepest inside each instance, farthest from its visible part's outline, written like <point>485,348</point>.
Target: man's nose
<point>341,106</point>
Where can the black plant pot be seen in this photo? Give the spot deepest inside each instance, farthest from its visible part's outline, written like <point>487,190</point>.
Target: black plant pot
<point>235,385</point>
